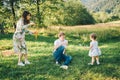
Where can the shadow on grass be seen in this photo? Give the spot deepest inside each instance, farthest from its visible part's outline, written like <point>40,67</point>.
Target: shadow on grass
<point>6,36</point>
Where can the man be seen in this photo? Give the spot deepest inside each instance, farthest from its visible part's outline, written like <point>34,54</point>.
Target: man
<point>59,51</point>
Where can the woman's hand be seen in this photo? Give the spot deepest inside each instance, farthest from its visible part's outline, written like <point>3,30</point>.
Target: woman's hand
<point>35,34</point>
<point>32,23</point>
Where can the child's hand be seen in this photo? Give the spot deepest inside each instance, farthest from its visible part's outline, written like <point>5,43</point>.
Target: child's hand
<point>86,47</point>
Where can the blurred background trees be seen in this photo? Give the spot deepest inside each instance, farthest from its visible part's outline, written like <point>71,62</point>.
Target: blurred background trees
<point>58,12</point>
<point>45,12</point>
<point>103,10</point>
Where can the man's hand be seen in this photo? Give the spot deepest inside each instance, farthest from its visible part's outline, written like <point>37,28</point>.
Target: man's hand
<point>63,43</point>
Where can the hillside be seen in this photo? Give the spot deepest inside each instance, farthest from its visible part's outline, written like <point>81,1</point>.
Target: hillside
<point>109,6</point>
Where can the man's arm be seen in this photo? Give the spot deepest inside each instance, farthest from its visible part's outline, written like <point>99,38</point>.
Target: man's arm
<point>57,46</point>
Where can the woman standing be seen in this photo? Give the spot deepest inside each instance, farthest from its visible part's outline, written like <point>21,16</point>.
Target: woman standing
<point>19,37</point>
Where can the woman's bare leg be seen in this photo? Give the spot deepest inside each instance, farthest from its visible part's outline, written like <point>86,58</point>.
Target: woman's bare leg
<point>26,59</point>
<point>19,57</point>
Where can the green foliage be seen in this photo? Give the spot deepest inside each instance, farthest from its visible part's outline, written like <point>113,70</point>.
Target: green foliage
<point>49,13</point>
<point>65,13</point>
<point>76,14</point>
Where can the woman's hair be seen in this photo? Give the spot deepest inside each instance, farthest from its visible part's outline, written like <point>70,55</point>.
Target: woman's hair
<point>24,15</point>
<point>93,35</point>
<point>61,34</point>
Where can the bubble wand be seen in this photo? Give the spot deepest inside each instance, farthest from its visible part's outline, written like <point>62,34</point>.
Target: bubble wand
<point>36,33</point>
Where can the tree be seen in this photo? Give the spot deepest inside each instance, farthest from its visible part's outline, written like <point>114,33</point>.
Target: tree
<point>46,12</point>
<point>9,5</point>
<point>12,2</point>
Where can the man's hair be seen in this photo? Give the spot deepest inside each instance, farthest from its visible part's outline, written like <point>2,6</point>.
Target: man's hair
<point>61,34</point>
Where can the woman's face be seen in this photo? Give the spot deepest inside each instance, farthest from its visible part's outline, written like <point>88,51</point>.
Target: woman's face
<point>28,17</point>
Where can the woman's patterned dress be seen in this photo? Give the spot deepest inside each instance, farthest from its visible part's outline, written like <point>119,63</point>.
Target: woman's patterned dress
<point>19,37</point>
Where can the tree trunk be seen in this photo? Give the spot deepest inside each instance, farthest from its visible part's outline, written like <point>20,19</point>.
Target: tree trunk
<point>2,28</point>
<point>13,12</point>
<point>38,12</point>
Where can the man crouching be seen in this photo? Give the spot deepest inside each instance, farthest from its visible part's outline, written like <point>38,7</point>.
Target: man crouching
<point>59,51</point>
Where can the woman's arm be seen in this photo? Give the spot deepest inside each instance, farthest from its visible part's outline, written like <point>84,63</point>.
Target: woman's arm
<point>29,32</point>
<point>30,24</point>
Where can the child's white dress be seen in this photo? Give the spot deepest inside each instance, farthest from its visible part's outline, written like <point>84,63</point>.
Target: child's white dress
<point>94,51</point>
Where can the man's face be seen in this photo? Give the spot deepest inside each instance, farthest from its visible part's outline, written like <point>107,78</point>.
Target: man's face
<point>62,37</point>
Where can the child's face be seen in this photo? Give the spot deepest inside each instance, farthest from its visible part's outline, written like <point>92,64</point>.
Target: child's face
<point>91,38</point>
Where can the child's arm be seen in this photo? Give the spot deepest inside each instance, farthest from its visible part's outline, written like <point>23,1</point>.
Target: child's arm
<point>91,45</point>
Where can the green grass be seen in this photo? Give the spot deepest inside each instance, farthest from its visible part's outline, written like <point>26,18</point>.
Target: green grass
<point>43,67</point>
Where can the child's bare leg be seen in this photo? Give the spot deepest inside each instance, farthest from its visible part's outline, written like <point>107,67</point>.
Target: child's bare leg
<point>97,59</point>
<point>93,60</point>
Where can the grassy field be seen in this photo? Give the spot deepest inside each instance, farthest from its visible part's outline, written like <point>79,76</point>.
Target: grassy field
<point>43,66</point>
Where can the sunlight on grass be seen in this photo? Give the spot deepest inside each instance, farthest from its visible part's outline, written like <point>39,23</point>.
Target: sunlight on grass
<point>104,46</point>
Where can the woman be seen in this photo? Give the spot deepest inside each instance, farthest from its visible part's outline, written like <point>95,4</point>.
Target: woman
<point>19,37</point>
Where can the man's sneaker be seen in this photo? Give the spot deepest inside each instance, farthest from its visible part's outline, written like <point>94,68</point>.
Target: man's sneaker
<point>21,64</point>
<point>57,62</point>
<point>90,63</point>
<point>64,67</point>
<point>98,63</point>
<point>27,62</point>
